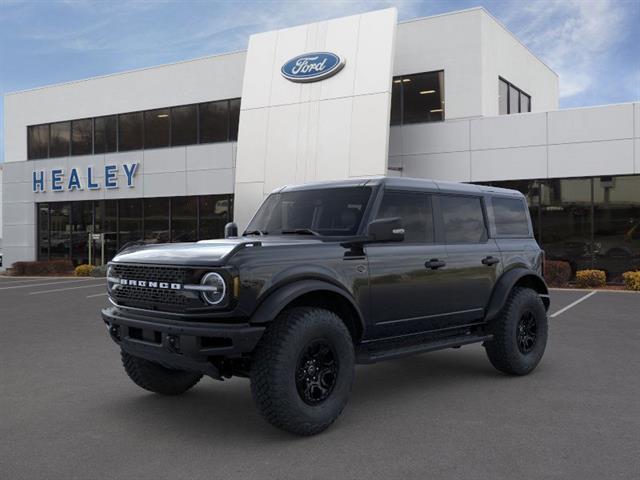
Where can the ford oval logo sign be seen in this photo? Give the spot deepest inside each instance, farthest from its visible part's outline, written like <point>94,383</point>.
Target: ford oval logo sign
<point>311,67</point>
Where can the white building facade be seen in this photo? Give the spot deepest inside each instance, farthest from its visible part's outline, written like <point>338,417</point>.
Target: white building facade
<point>172,153</point>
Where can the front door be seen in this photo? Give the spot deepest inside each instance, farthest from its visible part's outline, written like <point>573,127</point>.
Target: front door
<point>405,288</point>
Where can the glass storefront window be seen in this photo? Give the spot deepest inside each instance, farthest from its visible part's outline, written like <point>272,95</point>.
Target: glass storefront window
<point>43,231</point>
<point>156,128</point>
<point>38,141</point>
<point>59,139</point>
<point>64,227</point>
<point>587,222</point>
<point>130,220</point>
<point>234,118</point>
<point>417,98</point>
<point>82,137</point>
<point>215,212</point>
<point>184,125</point>
<point>616,225</point>
<point>184,219</point>
<point>105,134</point>
<point>214,122</point>
<point>130,131</point>
<point>81,227</point>
<point>156,220</point>
<point>60,236</point>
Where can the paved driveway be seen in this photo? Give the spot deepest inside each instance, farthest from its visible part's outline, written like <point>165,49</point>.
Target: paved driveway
<point>68,410</point>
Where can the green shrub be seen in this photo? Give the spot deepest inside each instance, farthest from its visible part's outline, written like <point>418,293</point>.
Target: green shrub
<point>557,273</point>
<point>591,278</point>
<point>48,267</point>
<point>84,270</point>
<point>631,280</point>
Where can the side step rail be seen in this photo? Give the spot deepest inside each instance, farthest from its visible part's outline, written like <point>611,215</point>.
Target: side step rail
<point>376,353</point>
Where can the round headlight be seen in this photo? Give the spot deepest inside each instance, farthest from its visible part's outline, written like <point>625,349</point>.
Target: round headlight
<point>215,288</point>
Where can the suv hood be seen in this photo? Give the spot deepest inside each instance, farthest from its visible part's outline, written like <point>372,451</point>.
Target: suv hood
<point>205,252</point>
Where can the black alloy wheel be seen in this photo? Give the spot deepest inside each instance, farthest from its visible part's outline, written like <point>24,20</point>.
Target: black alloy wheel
<point>317,372</point>
<point>526,332</point>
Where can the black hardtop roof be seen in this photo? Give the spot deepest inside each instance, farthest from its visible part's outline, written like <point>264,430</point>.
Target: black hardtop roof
<point>421,184</point>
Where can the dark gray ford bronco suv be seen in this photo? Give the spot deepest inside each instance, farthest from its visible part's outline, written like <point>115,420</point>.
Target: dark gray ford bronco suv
<point>328,275</point>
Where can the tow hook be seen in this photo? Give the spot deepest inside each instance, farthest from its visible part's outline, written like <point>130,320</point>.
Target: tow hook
<point>114,331</point>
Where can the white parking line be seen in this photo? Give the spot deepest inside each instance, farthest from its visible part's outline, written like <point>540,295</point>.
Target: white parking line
<point>571,305</point>
<point>63,282</point>
<point>65,289</point>
<point>98,295</point>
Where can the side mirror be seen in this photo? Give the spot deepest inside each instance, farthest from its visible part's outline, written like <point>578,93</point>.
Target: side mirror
<point>230,230</point>
<point>385,230</point>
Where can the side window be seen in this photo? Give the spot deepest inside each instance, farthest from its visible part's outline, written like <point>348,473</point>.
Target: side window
<point>510,216</point>
<point>463,219</point>
<point>415,211</point>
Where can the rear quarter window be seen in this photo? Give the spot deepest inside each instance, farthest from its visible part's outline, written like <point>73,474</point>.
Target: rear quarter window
<point>510,216</point>
<point>463,219</point>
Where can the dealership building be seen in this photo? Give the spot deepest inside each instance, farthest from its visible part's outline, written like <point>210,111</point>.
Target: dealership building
<point>174,152</point>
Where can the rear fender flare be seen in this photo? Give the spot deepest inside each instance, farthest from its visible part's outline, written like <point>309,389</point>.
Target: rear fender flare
<point>505,284</point>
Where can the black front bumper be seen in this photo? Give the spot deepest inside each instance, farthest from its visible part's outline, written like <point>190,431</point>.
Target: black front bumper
<point>181,345</point>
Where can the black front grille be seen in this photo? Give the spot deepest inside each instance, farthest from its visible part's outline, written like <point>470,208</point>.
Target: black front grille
<point>151,272</point>
<point>156,298</point>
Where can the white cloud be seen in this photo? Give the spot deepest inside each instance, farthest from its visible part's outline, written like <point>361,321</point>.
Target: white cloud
<point>572,36</point>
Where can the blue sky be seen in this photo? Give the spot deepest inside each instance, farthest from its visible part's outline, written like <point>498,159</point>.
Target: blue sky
<point>594,45</point>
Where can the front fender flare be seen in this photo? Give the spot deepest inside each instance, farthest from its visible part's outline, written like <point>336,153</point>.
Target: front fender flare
<point>284,295</point>
<point>505,284</point>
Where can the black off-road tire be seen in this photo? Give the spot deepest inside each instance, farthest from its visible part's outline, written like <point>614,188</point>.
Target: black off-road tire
<point>276,370</point>
<point>510,352</point>
<point>156,378</point>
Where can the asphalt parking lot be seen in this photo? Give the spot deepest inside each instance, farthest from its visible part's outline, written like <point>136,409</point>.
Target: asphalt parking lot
<point>68,411</point>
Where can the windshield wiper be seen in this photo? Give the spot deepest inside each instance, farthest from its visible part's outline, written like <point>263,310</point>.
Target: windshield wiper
<point>254,232</point>
<point>301,231</point>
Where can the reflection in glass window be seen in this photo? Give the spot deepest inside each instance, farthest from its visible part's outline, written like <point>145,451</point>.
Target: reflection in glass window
<point>503,97</point>
<point>525,102</point>
<point>414,209</point>
<point>130,213</point>
<point>156,220</point>
<point>59,139</point>
<point>418,98</point>
<point>184,125</point>
<point>184,219</point>
<point>60,236</point>
<point>234,118</point>
<point>105,134</point>
<point>616,225</point>
<point>38,141</point>
<point>130,131</point>
<point>463,219</point>
<point>82,137</point>
<point>214,122</point>
<point>511,99</point>
<point>156,128</point>
<point>215,213</point>
<point>43,231</point>
<point>510,216</point>
<point>81,226</point>
<point>514,100</point>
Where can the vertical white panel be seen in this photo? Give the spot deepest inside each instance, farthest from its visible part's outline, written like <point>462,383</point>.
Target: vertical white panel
<point>369,135</point>
<point>256,86</point>
<point>328,129</point>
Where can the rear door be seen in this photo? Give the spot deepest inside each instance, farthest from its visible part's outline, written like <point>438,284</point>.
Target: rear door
<point>405,289</point>
<point>473,259</point>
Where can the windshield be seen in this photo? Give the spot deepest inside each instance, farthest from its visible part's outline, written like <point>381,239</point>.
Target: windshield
<point>326,212</point>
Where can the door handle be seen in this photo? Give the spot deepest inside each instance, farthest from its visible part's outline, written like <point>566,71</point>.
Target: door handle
<point>488,261</point>
<point>434,264</point>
